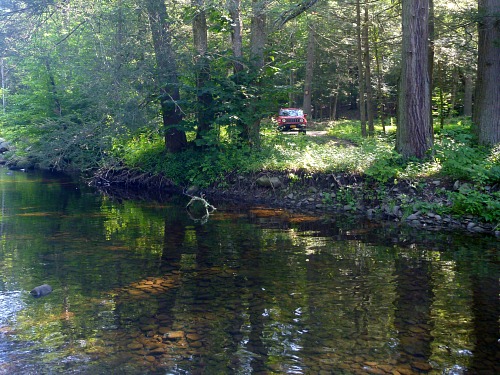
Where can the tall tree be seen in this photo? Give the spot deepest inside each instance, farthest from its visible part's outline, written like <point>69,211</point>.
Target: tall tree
<point>309,71</point>
<point>202,68</point>
<point>361,76</point>
<point>368,74</point>
<point>234,7</point>
<point>258,37</point>
<point>487,108</point>
<point>414,135</point>
<point>167,75</point>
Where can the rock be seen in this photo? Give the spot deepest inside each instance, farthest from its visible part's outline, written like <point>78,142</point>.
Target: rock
<point>412,217</point>
<point>41,291</point>
<point>196,344</point>
<point>164,330</point>
<point>148,327</point>
<point>271,182</point>
<point>456,185</point>
<point>174,335</point>
<point>471,225</point>
<point>4,146</point>
<point>135,346</point>
<point>422,366</point>
<point>193,337</point>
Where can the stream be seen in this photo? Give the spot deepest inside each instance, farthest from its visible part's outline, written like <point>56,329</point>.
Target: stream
<point>141,287</point>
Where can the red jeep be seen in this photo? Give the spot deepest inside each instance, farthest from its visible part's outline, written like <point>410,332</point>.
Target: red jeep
<point>292,119</point>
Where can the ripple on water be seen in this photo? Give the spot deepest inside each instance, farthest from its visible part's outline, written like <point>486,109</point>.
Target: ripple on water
<point>10,304</point>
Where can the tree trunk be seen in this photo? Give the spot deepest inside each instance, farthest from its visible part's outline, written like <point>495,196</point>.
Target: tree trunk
<point>368,74</point>
<point>453,97</point>
<point>487,108</point>
<point>440,83</point>
<point>258,36</point>
<point>333,110</point>
<point>361,80</point>
<point>414,135</point>
<point>432,36</point>
<point>202,69</point>
<point>234,7</point>
<point>167,76</point>
<point>291,96</point>
<point>309,72</point>
<point>380,94</point>
<point>468,95</point>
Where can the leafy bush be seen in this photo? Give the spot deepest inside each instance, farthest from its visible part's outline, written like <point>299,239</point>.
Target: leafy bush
<point>477,203</point>
<point>67,144</point>
<point>461,159</point>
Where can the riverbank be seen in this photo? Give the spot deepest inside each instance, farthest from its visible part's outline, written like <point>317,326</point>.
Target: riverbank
<point>332,170</point>
<point>321,194</point>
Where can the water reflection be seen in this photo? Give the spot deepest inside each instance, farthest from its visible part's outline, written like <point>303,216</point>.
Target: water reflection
<point>140,288</point>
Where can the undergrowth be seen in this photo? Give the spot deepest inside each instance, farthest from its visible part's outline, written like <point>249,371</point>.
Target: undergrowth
<point>455,157</point>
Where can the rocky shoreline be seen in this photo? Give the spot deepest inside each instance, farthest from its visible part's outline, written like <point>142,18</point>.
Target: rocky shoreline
<point>324,194</point>
<point>405,202</point>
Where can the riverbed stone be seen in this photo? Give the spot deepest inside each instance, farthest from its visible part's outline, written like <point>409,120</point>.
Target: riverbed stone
<point>149,327</point>
<point>193,337</point>
<point>135,346</point>
<point>174,335</point>
<point>422,366</point>
<point>196,344</point>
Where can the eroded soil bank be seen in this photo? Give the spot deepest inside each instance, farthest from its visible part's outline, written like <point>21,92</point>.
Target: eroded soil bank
<point>406,202</point>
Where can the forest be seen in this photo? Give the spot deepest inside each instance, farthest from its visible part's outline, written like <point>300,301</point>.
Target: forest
<point>167,84</point>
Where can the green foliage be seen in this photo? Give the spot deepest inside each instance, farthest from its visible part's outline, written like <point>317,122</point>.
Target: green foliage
<point>478,203</point>
<point>68,144</point>
<point>460,158</point>
<point>347,129</point>
<point>194,166</point>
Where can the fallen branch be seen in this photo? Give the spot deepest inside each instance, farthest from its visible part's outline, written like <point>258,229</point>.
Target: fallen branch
<point>199,209</point>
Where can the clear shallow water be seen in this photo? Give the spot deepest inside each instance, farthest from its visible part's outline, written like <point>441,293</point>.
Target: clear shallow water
<point>140,288</point>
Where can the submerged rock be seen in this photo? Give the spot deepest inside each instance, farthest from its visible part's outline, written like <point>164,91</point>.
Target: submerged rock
<point>41,290</point>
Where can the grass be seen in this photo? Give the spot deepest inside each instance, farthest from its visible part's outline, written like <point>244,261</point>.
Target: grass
<point>455,156</point>
<point>343,149</point>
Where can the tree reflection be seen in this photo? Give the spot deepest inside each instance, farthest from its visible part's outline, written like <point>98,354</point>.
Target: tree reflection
<point>413,310</point>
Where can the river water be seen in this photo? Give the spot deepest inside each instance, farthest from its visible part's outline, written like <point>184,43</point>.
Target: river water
<point>140,287</point>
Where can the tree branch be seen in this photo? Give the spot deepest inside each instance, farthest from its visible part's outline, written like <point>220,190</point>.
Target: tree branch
<point>294,12</point>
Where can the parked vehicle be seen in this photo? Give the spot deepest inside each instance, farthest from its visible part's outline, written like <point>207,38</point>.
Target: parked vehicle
<point>292,119</point>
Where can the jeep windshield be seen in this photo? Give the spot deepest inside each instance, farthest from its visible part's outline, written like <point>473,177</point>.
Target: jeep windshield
<point>291,112</point>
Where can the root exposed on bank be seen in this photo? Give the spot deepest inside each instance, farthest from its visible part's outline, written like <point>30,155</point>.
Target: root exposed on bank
<point>131,178</point>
